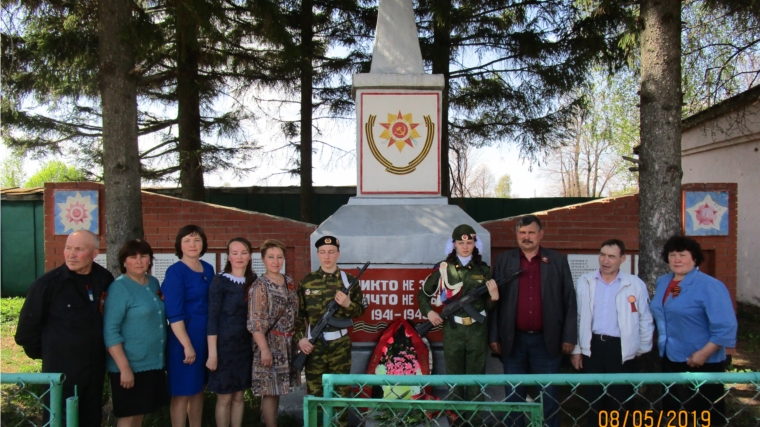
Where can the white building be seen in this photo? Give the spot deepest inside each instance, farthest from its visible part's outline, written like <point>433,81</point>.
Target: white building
<point>722,144</point>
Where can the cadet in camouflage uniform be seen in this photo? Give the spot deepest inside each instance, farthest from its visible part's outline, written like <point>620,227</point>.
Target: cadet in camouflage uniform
<point>317,289</point>
<point>465,344</point>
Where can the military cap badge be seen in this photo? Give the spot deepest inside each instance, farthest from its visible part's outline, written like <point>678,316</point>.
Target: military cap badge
<point>463,232</point>
<point>327,240</point>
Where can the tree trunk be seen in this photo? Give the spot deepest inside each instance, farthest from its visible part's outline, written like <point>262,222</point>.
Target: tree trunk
<point>121,162</point>
<point>307,72</point>
<point>577,192</point>
<point>440,58</point>
<point>189,102</point>
<point>660,170</point>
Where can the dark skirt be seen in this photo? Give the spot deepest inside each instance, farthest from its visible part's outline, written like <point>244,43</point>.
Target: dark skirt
<point>149,393</point>
<point>706,397</point>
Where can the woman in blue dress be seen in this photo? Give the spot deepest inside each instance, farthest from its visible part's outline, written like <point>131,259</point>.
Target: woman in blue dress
<point>185,291</point>
<point>230,350</point>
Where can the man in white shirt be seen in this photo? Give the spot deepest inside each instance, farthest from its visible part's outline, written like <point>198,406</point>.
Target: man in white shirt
<point>614,327</point>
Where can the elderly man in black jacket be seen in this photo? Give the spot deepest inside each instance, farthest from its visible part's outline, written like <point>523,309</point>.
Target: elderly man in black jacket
<point>535,321</point>
<point>61,324</point>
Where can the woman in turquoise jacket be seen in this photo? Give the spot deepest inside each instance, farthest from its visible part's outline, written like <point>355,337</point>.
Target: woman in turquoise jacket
<point>134,328</point>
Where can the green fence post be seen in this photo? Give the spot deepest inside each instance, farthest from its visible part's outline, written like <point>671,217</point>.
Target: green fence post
<point>310,412</point>
<point>56,404</point>
<point>72,411</point>
<point>327,391</point>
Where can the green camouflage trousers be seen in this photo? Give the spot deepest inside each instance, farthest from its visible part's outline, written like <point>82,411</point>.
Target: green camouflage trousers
<point>333,359</point>
<point>465,349</point>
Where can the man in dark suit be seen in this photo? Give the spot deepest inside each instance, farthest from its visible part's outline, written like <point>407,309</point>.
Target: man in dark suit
<point>62,324</point>
<point>535,321</point>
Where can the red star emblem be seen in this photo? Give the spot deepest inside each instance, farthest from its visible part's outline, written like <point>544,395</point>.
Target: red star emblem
<point>706,214</point>
<point>400,131</point>
<point>76,213</point>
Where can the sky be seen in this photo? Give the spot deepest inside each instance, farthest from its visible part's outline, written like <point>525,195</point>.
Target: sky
<point>332,169</point>
<point>500,161</point>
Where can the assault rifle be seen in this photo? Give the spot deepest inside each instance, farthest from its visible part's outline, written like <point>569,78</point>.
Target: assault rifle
<point>464,302</point>
<point>328,319</point>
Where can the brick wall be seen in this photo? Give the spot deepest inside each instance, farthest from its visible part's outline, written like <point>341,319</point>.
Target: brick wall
<point>577,228</point>
<point>164,215</point>
<point>573,229</point>
<point>582,228</point>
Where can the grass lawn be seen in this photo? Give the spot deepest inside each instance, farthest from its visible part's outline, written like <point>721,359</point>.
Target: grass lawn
<point>15,361</point>
<point>747,355</point>
<point>12,356</point>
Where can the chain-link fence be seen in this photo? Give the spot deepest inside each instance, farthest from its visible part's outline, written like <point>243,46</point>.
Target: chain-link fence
<point>606,400</point>
<point>36,400</point>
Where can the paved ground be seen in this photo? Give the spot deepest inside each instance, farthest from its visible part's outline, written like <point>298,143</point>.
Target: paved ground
<point>292,403</point>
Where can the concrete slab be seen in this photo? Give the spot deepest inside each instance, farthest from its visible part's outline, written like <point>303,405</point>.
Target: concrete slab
<point>396,235</point>
<point>397,81</point>
<point>292,403</point>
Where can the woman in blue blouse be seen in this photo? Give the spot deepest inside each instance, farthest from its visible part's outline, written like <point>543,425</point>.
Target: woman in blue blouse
<point>134,325</point>
<point>230,345</point>
<point>185,291</point>
<point>695,323</point>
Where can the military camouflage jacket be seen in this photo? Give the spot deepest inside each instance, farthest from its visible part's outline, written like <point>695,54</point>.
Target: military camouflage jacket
<point>472,276</point>
<point>317,289</point>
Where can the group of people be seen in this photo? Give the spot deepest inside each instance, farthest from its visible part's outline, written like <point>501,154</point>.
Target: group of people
<point>166,344</point>
<point>232,331</point>
<point>605,321</point>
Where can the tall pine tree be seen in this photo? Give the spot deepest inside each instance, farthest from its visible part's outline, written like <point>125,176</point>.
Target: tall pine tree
<point>506,64</point>
<point>660,154</point>
<point>121,165</point>
<point>50,100</point>
<point>324,42</point>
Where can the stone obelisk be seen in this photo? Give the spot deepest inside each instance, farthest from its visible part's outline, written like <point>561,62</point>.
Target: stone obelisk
<point>398,219</point>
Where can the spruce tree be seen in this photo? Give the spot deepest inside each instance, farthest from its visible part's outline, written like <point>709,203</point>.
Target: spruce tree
<point>51,101</point>
<point>309,69</point>
<point>506,64</point>
<point>118,92</point>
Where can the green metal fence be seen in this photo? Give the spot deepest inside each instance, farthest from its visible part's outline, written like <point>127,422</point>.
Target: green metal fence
<point>22,243</point>
<point>26,397</point>
<point>436,403</point>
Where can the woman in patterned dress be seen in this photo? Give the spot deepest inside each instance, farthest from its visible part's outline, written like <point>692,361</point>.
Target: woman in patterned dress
<point>272,310</point>
<point>230,350</point>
